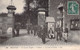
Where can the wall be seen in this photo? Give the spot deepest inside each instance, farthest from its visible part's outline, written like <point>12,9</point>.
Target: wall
<point>1,25</point>
<point>5,23</point>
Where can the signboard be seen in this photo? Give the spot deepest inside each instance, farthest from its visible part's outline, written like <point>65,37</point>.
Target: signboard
<point>73,8</point>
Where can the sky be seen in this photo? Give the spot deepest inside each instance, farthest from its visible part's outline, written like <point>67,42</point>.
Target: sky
<point>19,4</point>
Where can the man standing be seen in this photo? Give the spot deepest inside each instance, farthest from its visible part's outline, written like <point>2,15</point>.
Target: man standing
<point>17,28</point>
<point>39,31</point>
<point>35,30</point>
<point>28,29</point>
<point>43,34</point>
<point>59,33</point>
<point>14,32</point>
<point>65,34</point>
<point>51,34</point>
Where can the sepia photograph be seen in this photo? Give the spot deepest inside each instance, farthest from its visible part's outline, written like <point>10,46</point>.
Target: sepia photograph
<point>39,22</point>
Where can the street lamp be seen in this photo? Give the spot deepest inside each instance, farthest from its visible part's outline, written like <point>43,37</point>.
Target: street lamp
<point>61,9</point>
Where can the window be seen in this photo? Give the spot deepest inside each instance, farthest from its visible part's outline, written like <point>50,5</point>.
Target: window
<point>74,24</point>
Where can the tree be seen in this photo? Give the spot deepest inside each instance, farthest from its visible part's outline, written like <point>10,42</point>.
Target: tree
<point>30,9</point>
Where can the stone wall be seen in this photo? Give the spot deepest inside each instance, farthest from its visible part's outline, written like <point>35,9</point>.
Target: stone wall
<point>5,23</point>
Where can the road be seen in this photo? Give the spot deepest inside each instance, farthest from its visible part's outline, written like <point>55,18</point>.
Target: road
<point>25,39</point>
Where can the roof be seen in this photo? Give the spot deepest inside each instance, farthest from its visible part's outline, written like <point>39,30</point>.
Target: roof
<point>11,7</point>
<point>42,9</point>
<point>50,19</point>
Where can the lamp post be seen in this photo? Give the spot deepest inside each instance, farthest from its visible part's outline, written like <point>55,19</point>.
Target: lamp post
<point>61,9</point>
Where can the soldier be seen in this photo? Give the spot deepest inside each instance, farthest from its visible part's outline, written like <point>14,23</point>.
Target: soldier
<point>17,28</point>
<point>59,33</point>
<point>28,29</point>
<point>65,33</point>
<point>14,32</point>
<point>51,34</point>
<point>32,29</point>
<point>43,34</point>
<point>39,31</point>
<point>35,30</point>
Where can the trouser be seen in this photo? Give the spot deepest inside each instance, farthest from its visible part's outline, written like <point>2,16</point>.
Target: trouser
<point>59,35</point>
<point>43,39</point>
<point>17,32</point>
<point>35,32</point>
<point>32,31</point>
<point>28,31</point>
<point>39,35</point>
<point>14,33</point>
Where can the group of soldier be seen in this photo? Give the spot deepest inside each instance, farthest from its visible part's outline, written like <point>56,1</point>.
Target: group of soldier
<point>42,32</point>
<point>16,29</point>
<point>60,33</point>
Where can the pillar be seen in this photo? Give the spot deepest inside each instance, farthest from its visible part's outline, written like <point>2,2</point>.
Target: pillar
<point>10,19</point>
<point>41,16</point>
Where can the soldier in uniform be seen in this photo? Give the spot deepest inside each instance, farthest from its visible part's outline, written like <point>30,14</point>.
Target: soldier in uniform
<point>65,33</point>
<point>39,31</point>
<point>28,29</point>
<point>35,30</point>
<point>43,34</point>
<point>17,29</point>
<point>13,31</point>
<point>51,34</point>
<point>59,33</point>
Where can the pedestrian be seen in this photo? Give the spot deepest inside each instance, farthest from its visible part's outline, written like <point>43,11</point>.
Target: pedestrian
<point>59,33</point>
<point>14,30</point>
<point>31,29</point>
<point>35,30</point>
<point>14,33</point>
<point>28,29</point>
<point>39,31</point>
<point>51,34</point>
<point>65,34</point>
<point>43,34</point>
<point>17,29</point>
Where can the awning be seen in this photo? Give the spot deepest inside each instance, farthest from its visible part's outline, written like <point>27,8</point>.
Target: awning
<point>50,19</point>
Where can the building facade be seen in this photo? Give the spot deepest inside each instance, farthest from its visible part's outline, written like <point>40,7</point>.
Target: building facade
<point>54,12</point>
<point>72,21</point>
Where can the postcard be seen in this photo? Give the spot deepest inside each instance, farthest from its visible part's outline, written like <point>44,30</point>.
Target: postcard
<point>40,24</point>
